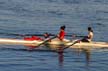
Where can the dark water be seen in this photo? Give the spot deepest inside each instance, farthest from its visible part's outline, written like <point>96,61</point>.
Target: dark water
<point>20,17</point>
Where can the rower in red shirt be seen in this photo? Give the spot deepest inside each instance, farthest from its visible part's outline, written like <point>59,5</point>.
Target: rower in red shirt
<point>61,34</point>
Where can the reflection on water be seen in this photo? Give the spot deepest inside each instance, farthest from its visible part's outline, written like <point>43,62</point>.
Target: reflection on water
<point>60,56</point>
<point>65,58</point>
<point>76,51</point>
<point>87,54</point>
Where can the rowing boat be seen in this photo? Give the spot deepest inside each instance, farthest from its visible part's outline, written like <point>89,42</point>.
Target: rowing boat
<point>53,43</point>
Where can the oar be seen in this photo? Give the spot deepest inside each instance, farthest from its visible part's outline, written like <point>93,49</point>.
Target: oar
<point>71,44</point>
<point>54,35</point>
<point>45,41</point>
<point>22,35</point>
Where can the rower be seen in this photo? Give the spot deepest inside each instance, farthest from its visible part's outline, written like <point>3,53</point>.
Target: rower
<point>46,35</point>
<point>61,34</point>
<point>89,37</point>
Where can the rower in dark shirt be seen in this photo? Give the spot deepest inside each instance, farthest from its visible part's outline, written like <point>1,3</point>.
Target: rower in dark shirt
<point>89,37</point>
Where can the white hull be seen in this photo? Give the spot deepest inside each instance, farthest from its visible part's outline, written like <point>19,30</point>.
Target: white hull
<point>6,41</point>
<point>55,42</point>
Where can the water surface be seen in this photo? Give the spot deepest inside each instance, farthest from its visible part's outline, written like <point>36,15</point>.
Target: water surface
<point>20,17</point>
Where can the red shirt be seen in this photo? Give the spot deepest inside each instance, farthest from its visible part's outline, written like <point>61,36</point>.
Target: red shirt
<point>61,35</point>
